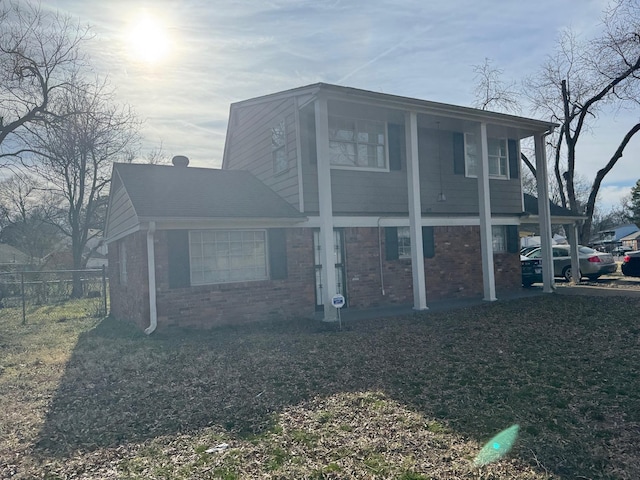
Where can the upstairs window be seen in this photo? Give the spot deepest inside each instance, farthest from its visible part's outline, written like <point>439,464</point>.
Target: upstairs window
<point>279,147</point>
<point>498,156</point>
<point>357,143</point>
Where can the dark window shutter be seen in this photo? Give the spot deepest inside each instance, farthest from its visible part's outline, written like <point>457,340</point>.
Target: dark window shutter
<point>428,243</point>
<point>397,146</point>
<point>513,239</point>
<point>277,253</point>
<point>458,153</point>
<point>391,243</point>
<point>514,161</point>
<point>179,268</point>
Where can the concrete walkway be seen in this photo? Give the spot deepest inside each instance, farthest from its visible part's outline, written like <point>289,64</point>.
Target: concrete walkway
<point>628,288</point>
<point>435,306</point>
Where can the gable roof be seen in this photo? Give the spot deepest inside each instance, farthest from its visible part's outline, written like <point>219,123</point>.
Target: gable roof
<point>632,236</point>
<point>12,256</point>
<point>620,231</point>
<point>180,194</point>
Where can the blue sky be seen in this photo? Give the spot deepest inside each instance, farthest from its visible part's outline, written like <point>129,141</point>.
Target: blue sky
<point>225,51</point>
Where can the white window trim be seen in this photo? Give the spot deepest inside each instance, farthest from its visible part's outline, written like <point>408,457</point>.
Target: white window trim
<point>405,255</point>
<point>266,253</point>
<point>283,148</point>
<point>491,176</point>
<point>386,168</point>
<point>503,232</point>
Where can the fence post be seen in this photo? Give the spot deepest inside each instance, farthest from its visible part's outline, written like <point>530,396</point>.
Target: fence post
<point>24,305</point>
<point>104,289</point>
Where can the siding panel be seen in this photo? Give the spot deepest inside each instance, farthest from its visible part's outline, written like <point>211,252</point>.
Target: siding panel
<point>122,216</point>
<point>250,145</point>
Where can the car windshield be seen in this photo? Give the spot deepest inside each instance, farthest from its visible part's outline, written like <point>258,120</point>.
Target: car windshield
<point>587,250</point>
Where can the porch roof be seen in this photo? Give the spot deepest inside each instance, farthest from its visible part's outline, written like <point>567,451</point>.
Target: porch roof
<point>558,214</point>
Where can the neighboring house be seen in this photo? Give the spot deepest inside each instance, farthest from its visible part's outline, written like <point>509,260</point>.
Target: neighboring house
<point>324,190</point>
<point>612,238</point>
<point>61,257</point>
<point>12,259</point>
<point>631,241</point>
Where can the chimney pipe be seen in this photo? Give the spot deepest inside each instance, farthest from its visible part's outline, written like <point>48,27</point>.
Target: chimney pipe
<point>180,161</point>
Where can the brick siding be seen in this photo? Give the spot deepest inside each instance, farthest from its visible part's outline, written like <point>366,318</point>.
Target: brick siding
<point>130,300</point>
<point>454,272</point>
<point>206,306</point>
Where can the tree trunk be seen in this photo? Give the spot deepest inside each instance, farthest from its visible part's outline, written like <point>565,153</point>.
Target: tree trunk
<point>77,290</point>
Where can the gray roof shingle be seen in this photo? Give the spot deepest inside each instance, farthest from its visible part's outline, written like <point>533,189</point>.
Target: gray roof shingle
<point>531,207</point>
<point>160,191</point>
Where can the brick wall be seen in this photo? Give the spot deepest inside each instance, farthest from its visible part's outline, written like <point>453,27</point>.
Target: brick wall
<point>454,272</point>
<point>207,306</point>
<point>130,300</point>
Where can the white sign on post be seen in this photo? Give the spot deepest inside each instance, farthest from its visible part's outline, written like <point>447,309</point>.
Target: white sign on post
<point>337,301</point>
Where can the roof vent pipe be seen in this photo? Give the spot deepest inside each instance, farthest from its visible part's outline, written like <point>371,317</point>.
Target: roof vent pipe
<point>180,161</point>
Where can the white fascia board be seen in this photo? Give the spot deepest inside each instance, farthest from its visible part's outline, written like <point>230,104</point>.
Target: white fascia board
<point>208,222</point>
<point>395,221</point>
<point>555,220</point>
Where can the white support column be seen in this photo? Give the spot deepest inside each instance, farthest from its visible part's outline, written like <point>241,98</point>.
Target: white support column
<point>415,212</point>
<point>329,285</point>
<point>544,214</point>
<point>484,201</point>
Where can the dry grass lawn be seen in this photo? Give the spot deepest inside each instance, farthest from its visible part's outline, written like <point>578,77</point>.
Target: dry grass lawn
<point>407,398</point>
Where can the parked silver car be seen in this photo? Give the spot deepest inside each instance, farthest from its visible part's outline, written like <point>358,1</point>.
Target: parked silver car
<point>592,262</point>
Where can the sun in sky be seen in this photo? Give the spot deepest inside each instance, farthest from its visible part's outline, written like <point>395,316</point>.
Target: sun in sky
<point>148,39</point>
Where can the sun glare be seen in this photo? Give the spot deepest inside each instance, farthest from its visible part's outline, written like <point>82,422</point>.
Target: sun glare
<point>149,40</point>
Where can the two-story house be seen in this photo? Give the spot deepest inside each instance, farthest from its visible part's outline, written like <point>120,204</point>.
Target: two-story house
<point>323,190</point>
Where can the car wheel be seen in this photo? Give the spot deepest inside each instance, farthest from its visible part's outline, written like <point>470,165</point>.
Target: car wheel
<point>566,273</point>
<point>527,284</point>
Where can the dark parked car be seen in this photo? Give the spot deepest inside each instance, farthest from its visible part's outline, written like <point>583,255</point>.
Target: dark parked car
<point>531,271</point>
<point>631,264</point>
<point>593,264</point>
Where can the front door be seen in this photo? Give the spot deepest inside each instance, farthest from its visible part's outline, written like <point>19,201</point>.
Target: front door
<point>339,266</point>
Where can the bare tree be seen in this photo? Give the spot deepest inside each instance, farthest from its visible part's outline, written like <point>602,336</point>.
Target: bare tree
<point>575,86</point>
<point>39,52</point>
<point>491,92</point>
<point>75,154</point>
<point>24,208</point>
<point>157,156</point>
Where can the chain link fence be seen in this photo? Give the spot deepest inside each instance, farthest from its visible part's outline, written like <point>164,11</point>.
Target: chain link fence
<point>29,289</point>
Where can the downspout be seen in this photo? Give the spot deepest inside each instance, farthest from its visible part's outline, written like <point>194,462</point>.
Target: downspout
<point>380,257</point>
<point>151,275</point>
